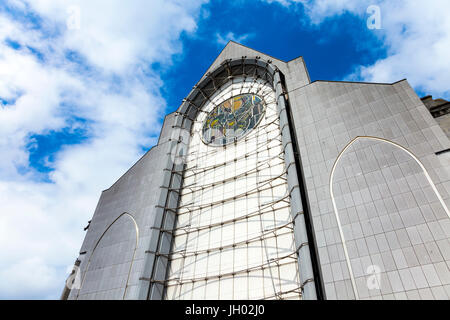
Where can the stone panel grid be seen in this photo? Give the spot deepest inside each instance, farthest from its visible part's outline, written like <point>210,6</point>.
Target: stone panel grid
<point>389,214</point>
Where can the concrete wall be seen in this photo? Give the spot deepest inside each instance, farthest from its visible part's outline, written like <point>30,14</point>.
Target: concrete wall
<point>389,215</point>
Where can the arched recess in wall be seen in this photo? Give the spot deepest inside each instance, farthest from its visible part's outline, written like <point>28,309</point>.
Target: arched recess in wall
<point>110,264</point>
<point>381,194</point>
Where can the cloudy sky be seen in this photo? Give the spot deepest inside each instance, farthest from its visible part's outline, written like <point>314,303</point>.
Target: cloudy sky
<point>85,84</point>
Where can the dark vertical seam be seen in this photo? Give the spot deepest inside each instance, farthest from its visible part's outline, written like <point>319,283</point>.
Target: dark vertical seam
<point>317,272</point>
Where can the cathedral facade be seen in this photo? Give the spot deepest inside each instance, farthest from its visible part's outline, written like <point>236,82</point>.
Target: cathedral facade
<point>265,185</point>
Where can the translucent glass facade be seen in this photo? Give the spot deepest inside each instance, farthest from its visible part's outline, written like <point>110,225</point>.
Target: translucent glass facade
<point>233,237</point>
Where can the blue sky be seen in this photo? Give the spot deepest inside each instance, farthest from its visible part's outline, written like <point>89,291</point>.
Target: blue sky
<point>332,50</point>
<point>85,85</point>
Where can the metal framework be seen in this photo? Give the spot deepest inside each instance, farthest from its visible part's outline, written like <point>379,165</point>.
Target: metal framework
<point>265,155</point>
<point>183,212</point>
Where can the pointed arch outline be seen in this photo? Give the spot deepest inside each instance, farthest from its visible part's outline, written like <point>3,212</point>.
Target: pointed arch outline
<point>98,242</point>
<point>341,233</point>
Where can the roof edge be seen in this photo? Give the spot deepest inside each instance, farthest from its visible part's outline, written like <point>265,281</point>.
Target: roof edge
<point>243,45</point>
<point>361,82</point>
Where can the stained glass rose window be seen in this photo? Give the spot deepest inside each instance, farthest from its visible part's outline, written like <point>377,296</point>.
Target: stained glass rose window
<point>233,119</point>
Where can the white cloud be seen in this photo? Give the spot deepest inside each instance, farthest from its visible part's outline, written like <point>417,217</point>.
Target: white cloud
<point>416,35</point>
<point>223,39</point>
<point>114,91</point>
<point>116,34</point>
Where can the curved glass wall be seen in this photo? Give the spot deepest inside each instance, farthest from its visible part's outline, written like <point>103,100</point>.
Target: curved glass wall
<point>234,238</point>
